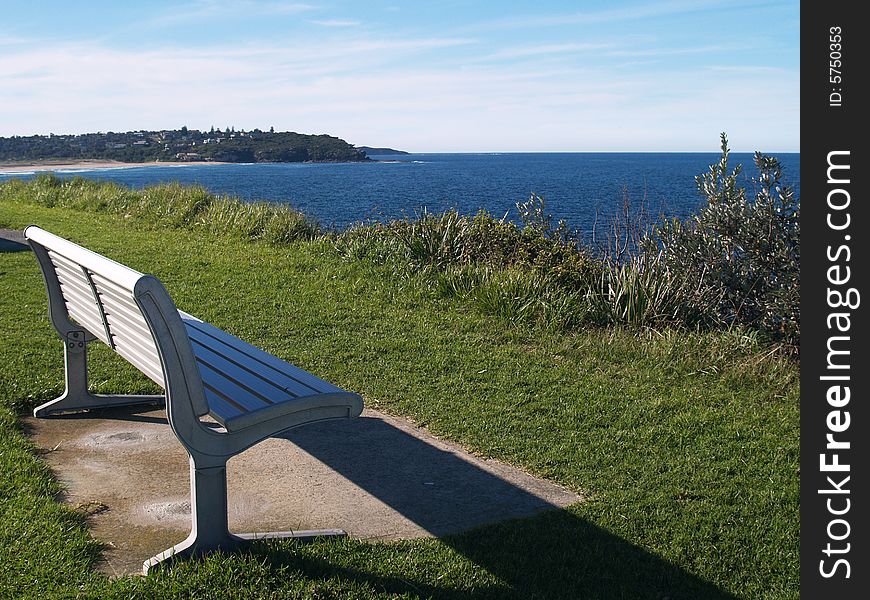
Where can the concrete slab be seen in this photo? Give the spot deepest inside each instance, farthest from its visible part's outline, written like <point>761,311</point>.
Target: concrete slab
<point>377,477</point>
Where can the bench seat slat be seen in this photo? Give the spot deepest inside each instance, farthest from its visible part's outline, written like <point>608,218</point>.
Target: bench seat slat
<point>77,284</point>
<point>291,377</point>
<point>126,321</point>
<point>79,295</point>
<point>153,372</point>
<point>238,355</point>
<point>77,287</point>
<point>83,300</point>
<point>70,272</point>
<point>86,313</point>
<point>113,287</point>
<point>119,296</point>
<point>221,407</point>
<point>242,374</point>
<point>141,355</point>
<point>62,262</point>
<point>246,400</point>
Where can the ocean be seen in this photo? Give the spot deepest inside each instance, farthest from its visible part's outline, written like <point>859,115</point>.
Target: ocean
<point>577,187</point>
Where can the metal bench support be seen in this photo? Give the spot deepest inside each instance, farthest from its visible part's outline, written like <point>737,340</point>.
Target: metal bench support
<point>76,396</point>
<point>209,528</point>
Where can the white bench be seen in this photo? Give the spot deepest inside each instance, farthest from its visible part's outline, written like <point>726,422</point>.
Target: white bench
<point>251,394</point>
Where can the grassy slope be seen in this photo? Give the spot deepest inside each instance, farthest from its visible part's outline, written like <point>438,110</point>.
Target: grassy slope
<point>687,444</point>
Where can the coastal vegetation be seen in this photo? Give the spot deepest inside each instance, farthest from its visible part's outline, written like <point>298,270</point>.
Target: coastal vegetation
<point>181,145</point>
<point>735,264</point>
<point>672,408</point>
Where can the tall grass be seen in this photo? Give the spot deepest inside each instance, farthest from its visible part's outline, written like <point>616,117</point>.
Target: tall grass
<point>167,205</point>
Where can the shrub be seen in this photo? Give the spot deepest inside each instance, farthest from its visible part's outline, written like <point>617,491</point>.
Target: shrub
<point>744,254</point>
<point>440,242</point>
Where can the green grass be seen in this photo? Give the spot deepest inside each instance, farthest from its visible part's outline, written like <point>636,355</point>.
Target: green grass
<point>685,443</point>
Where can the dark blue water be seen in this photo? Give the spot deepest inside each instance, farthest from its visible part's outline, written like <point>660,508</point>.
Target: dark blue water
<point>575,186</point>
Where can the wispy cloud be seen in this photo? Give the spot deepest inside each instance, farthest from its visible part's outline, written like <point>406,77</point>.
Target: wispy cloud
<point>335,22</point>
<point>748,69</point>
<point>681,51</point>
<point>636,12</point>
<point>13,40</point>
<point>203,10</point>
<point>544,49</point>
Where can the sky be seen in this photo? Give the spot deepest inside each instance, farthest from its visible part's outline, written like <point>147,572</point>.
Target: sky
<point>446,76</point>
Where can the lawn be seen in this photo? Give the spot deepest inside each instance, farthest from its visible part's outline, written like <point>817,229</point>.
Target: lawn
<point>684,443</point>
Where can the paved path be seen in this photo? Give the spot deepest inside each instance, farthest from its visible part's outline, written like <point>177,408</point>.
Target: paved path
<point>377,477</point>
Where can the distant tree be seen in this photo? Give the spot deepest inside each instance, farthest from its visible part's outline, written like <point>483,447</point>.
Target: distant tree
<point>211,131</point>
<point>183,130</point>
<point>271,130</point>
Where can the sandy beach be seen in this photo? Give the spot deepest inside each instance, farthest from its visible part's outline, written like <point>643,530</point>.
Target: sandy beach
<point>27,168</point>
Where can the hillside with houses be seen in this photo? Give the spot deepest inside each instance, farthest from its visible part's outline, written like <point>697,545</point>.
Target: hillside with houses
<point>181,145</point>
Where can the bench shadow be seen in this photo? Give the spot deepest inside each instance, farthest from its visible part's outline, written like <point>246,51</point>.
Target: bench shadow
<point>135,414</point>
<point>7,245</point>
<point>536,547</point>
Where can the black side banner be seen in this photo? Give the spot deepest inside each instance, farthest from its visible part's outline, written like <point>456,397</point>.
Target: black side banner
<point>835,369</point>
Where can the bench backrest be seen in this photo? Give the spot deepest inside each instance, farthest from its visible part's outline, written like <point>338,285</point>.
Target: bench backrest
<point>100,295</point>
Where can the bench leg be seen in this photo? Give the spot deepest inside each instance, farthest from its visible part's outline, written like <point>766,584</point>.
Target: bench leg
<point>209,530</point>
<point>208,508</point>
<point>76,396</point>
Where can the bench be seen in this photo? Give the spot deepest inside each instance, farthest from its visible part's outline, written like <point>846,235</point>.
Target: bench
<point>250,394</point>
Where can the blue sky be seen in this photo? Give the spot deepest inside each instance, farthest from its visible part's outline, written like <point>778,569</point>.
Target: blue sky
<point>422,76</point>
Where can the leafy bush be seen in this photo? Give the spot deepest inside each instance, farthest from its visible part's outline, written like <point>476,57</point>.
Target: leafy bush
<point>744,254</point>
<point>439,242</point>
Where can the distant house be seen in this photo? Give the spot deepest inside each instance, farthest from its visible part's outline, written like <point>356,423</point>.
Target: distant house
<point>115,145</point>
<point>191,156</point>
<point>140,143</point>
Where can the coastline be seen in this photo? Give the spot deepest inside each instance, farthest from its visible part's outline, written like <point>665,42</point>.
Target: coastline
<point>29,168</point>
